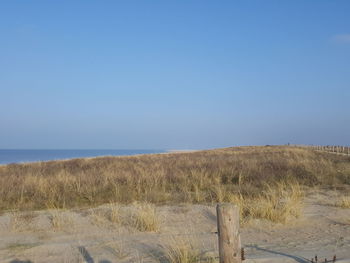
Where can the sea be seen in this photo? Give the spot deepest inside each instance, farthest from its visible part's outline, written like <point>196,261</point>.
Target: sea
<point>25,156</point>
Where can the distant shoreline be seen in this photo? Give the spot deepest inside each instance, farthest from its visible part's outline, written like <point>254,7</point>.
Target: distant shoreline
<point>172,151</point>
<point>25,156</point>
<point>182,151</point>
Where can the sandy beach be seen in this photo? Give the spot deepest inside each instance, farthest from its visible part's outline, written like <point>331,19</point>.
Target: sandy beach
<point>87,235</point>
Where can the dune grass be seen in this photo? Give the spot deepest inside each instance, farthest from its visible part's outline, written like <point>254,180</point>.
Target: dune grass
<point>181,250</point>
<point>267,180</point>
<point>19,221</point>
<point>144,218</point>
<point>343,202</point>
<point>114,213</point>
<point>279,203</point>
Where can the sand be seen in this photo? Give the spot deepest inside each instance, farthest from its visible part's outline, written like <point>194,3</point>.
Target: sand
<point>87,235</point>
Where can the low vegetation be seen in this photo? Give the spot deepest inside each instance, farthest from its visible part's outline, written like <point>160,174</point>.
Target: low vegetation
<point>144,218</point>
<point>343,202</point>
<point>180,250</point>
<point>278,203</point>
<point>59,219</point>
<point>114,213</point>
<point>266,181</point>
<point>20,221</point>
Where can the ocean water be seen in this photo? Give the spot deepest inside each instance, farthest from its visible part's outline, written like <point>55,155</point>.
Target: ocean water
<point>22,156</point>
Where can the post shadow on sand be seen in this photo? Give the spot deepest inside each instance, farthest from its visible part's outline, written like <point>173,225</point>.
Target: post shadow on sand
<point>296,258</point>
<point>87,257</point>
<point>21,261</point>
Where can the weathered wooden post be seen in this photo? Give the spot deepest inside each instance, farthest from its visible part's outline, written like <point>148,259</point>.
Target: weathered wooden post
<point>228,233</point>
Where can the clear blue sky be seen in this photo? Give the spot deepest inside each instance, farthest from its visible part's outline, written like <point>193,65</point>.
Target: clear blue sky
<point>173,74</point>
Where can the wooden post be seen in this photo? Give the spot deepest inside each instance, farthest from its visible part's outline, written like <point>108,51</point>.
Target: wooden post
<point>228,233</point>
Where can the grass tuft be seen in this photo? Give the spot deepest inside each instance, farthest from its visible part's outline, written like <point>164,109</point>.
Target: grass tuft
<point>59,220</point>
<point>114,213</point>
<point>343,202</point>
<point>278,203</point>
<point>179,250</point>
<point>144,218</point>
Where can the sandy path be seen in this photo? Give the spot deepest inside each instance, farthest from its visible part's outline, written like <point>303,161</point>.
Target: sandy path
<point>82,236</point>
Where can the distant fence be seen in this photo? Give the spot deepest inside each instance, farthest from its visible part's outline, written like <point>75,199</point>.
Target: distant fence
<point>337,149</point>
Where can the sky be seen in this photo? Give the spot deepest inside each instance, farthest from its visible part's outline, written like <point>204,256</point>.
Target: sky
<point>173,74</point>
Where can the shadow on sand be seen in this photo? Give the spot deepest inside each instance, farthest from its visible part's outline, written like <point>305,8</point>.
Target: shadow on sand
<point>87,257</point>
<point>296,258</point>
<point>21,261</point>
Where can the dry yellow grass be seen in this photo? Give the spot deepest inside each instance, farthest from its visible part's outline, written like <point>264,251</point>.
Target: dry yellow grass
<point>278,203</point>
<point>180,250</point>
<point>262,178</point>
<point>144,218</point>
<point>59,220</point>
<point>343,202</point>
<point>20,221</point>
<point>114,213</point>
<point>98,217</point>
<point>15,221</point>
